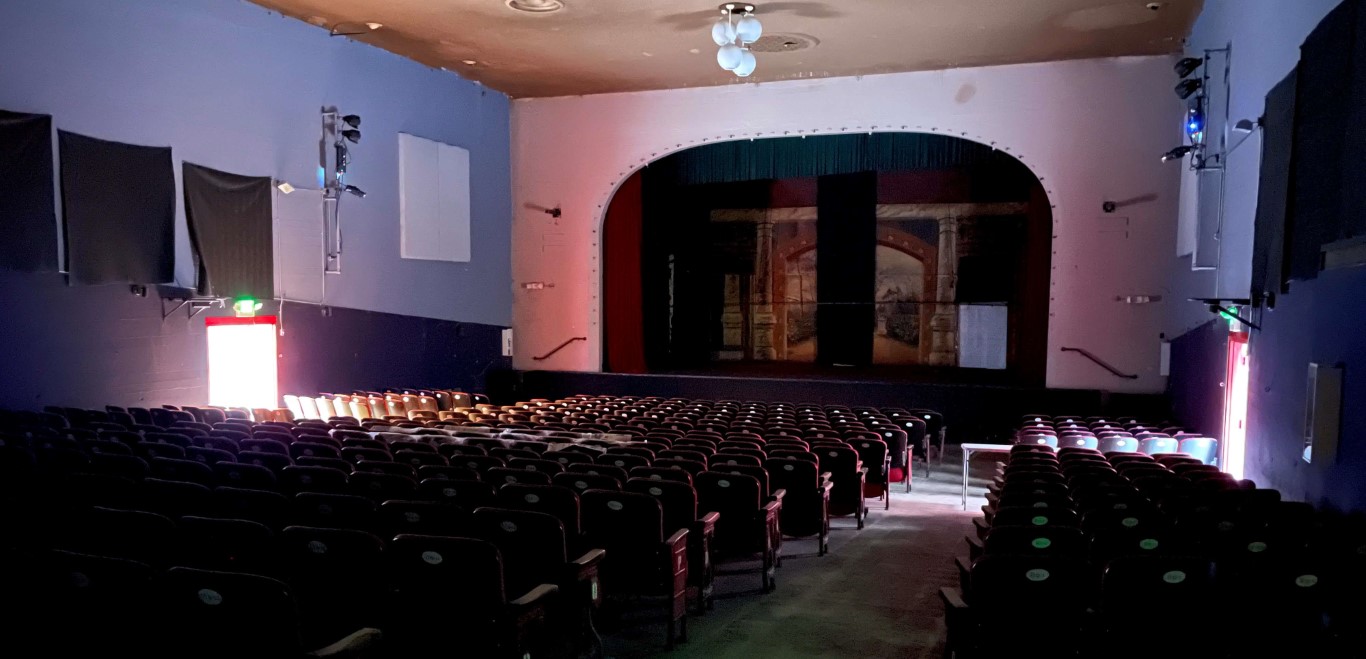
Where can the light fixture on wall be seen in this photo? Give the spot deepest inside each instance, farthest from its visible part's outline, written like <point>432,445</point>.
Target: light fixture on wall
<point>1177,153</point>
<point>340,131</point>
<point>1186,88</point>
<point>1187,65</point>
<point>353,190</point>
<point>734,37</point>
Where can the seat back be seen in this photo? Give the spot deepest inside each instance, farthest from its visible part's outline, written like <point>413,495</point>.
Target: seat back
<point>1117,444</point>
<point>1206,449</point>
<point>677,501</point>
<point>532,544</point>
<point>227,615</point>
<point>562,503</point>
<point>337,576</point>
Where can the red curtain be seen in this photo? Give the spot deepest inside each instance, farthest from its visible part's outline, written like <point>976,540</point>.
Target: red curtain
<point>624,323</point>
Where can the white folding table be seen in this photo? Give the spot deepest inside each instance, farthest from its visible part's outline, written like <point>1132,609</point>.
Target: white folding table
<point>968,450</point>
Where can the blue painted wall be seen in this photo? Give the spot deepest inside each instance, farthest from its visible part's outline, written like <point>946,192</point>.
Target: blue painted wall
<point>232,86</point>
<point>1318,321</point>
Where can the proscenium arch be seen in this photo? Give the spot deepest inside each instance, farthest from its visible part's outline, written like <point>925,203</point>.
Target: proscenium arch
<point>603,203</point>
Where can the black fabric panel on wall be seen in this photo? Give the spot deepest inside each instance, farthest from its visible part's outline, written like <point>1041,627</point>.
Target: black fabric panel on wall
<point>1321,116</point>
<point>846,267</point>
<point>28,214</point>
<point>229,217</point>
<point>118,201</point>
<point>1352,222</point>
<point>1273,191</point>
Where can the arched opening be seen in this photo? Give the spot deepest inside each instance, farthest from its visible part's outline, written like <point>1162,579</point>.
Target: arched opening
<point>901,254</point>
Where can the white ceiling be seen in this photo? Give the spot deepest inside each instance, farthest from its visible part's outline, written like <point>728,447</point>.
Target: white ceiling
<point>598,46</point>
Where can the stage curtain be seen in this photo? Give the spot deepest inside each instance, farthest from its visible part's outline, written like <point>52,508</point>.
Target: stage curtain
<point>118,201</point>
<point>1273,191</point>
<point>28,215</point>
<point>846,267</point>
<point>229,218</point>
<point>624,325</point>
<point>823,155</point>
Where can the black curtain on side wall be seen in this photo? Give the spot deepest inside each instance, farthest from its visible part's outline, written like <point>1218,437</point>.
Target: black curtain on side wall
<point>28,216</point>
<point>229,218</point>
<point>846,266</point>
<point>1273,191</point>
<point>119,204</point>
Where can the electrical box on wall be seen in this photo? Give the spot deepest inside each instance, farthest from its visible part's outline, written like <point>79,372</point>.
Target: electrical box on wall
<point>507,342</point>
<point>1322,413</point>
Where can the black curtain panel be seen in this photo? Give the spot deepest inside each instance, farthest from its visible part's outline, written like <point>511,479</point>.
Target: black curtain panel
<point>229,217</point>
<point>119,204</point>
<point>28,215</point>
<point>846,267</point>
<point>1273,191</point>
<point>1321,117</point>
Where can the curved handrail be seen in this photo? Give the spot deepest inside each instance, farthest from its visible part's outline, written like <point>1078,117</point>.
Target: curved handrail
<point>562,346</point>
<point>1102,363</point>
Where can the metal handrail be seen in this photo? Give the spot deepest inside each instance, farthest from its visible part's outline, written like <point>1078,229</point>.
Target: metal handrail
<point>1102,363</point>
<point>560,347</point>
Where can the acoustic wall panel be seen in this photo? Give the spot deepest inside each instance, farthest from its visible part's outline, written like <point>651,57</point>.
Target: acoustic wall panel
<point>229,219</point>
<point>434,200</point>
<point>299,254</point>
<point>118,201</point>
<point>28,216</point>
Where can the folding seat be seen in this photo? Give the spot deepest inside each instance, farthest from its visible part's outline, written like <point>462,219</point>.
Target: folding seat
<point>107,446</point>
<point>126,466</point>
<point>1154,445</point>
<point>250,476</point>
<point>695,444</point>
<point>182,470</point>
<point>133,535</point>
<point>79,491</point>
<point>152,450</point>
<point>1205,449</point>
<point>272,432</point>
<point>299,449</point>
<point>846,498</point>
<point>467,494</point>
<point>107,596</point>
<point>566,457</point>
<point>397,516</point>
<point>419,459</point>
<point>1062,541</point>
<point>989,621</point>
<point>877,460</point>
<point>732,459</point>
<point>232,545</point>
<point>641,561</point>
<point>423,614</point>
<point>246,616</point>
<point>382,467</point>
<point>562,503</point>
<point>547,466</point>
<point>748,525</point>
<point>793,454</point>
<point>1116,444</point>
<point>622,460</point>
<point>685,454</point>
<point>1184,588</point>
<point>806,504</point>
<point>499,476</point>
<point>381,486</point>
<point>446,472</point>
<point>596,469</point>
<point>269,508</point>
<point>176,498</point>
<point>581,483</point>
<point>273,461</point>
<point>217,443</point>
<point>693,468</point>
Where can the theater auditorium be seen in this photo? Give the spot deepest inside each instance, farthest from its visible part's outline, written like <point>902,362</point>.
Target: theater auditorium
<point>617,329</point>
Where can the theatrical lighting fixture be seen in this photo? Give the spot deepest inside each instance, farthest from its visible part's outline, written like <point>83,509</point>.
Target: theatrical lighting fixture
<point>1177,153</point>
<point>355,191</point>
<point>734,35</point>
<point>1185,88</point>
<point>1195,121</point>
<point>352,135</point>
<point>1247,125</point>
<point>1187,66</point>
<point>352,120</point>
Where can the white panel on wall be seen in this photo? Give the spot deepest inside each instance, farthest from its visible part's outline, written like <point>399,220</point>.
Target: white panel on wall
<point>299,245</point>
<point>434,200</point>
<point>983,335</point>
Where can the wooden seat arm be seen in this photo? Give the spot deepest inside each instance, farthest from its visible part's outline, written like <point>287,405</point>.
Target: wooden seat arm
<point>778,495</point>
<point>952,599</point>
<point>825,487</point>
<point>535,597</point>
<point>773,507</point>
<point>590,558</point>
<point>356,644</point>
<point>678,538</point>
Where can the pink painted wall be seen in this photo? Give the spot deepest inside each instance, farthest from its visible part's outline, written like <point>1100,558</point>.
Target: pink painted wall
<point>1091,130</point>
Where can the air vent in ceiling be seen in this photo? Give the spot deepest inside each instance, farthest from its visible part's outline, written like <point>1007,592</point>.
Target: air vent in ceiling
<point>783,43</point>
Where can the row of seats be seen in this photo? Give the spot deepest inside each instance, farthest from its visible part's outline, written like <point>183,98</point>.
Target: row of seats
<point>1132,555</point>
<point>1115,435</point>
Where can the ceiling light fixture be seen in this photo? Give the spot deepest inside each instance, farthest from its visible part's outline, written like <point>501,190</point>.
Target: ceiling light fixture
<point>535,6</point>
<point>734,37</point>
<point>354,29</point>
<point>469,62</point>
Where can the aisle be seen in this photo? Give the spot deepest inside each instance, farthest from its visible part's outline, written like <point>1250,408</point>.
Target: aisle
<point>875,595</point>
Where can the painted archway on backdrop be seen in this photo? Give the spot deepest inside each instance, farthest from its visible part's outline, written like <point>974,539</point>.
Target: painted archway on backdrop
<point>915,323</point>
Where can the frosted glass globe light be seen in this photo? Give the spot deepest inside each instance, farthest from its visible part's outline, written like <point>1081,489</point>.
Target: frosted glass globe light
<point>749,29</point>
<point>723,32</point>
<point>730,56</point>
<point>747,64</point>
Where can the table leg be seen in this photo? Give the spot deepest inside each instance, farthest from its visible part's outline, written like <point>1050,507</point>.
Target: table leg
<point>966,455</point>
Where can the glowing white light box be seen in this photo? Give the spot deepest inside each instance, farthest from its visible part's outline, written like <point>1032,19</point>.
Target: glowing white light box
<point>243,362</point>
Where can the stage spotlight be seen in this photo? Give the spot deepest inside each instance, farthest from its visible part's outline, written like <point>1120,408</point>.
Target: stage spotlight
<point>1185,88</point>
<point>1195,122</point>
<point>1177,153</point>
<point>1188,65</point>
<point>354,135</point>
<point>355,191</point>
<point>352,120</point>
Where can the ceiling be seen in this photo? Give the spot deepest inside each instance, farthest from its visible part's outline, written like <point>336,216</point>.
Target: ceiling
<point>599,46</point>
